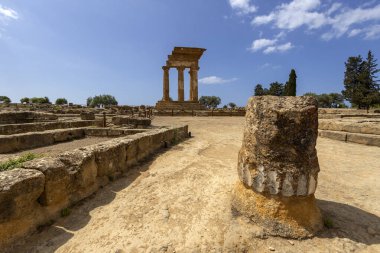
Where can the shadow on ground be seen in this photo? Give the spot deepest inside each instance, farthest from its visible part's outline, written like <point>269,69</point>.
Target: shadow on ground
<point>349,222</point>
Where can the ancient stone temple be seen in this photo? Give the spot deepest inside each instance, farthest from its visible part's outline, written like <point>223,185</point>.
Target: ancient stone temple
<point>182,58</point>
<point>278,166</point>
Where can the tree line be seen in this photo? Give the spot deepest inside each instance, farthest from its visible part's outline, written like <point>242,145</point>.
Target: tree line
<point>96,101</point>
<point>361,86</point>
<point>279,89</point>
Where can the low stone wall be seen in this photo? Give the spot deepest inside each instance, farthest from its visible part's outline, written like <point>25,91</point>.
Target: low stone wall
<point>43,126</point>
<point>17,142</point>
<point>362,127</point>
<point>131,121</point>
<point>367,139</point>
<point>25,117</point>
<point>37,193</point>
<point>203,113</point>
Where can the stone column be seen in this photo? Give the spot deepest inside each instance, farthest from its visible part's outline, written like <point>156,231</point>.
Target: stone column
<point>181,91</point>
<point>166,83</point>
<point>194,83</point>
<point>278,166</point>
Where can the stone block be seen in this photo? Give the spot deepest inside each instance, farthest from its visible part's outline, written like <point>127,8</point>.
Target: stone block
<point>83,171</point>
<point>57,180</point>
<point>20,211</point>
<point>157,140</point>
<point>8,144</point>
<point>31,140</point>
<point>87,116</point>
<point>68,135</point>
<point>110,158</point>
<point>335,135</point>
<point>131,148</point>
<point>19,191</point>
<point>96,132</point>
<point>144,146</point>
<point>367,139</point>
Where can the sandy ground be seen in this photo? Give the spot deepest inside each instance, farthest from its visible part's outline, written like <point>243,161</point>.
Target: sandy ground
<point>179,201</point>
<point>56,148</point>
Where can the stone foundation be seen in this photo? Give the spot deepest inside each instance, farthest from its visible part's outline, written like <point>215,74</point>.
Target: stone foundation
<point>43,126</point>
<point>131,121</point>
<point>25,117</point>
<point>35,194</point>
<point>292,217</point>
<point>177,105</point>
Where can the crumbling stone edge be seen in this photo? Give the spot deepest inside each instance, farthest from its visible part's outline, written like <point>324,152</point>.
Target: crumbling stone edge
<point>37,193</point>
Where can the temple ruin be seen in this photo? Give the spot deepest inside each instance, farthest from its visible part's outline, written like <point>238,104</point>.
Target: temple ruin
<point>182,58</point>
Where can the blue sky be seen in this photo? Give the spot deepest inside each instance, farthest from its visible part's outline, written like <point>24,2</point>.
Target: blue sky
<point>76,49</point>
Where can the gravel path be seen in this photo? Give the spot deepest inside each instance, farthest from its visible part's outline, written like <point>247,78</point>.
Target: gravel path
<point>180,202</point>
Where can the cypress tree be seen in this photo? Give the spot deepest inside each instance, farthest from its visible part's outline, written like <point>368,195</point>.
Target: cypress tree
<point>291,85</point>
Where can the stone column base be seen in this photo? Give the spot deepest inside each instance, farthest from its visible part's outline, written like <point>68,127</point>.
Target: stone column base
<point>290,217</point>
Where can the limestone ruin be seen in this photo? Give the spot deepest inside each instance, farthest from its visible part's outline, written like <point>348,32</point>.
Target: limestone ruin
<point>182,58</point>
<point>278,166</point>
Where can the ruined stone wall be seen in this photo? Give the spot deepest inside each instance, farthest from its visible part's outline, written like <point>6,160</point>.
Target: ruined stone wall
<point>18,142</point>
<point>25,117</point>
<point>43,126</point>
<point>36,193</point>
<point>138,122</point>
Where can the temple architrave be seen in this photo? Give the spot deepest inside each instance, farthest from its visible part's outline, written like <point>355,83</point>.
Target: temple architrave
<point>182,58</point>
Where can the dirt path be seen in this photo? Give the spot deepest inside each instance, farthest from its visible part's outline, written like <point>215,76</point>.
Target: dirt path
<point>180,202</point>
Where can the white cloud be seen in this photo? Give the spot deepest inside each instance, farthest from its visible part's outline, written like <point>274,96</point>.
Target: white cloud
<point>261,43</point>
<point>7,13</point>
<point>293,15</point>
<point>354,32</point>
<point>278,48</point>
<point>372,32</point>
<point>343,22</point>
<point>243,7</point>
<point>269,46</point>
<point>339,19</point>
<point>215,80</point>
<point>269,65</point>
<point>334,7</point>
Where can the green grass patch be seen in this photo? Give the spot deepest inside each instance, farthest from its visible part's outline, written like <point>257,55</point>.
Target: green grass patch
<point>65,212</point>
<point>17,162</point>
<point>328,223</point>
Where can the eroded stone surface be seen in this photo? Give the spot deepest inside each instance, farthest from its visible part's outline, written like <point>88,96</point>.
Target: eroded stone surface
<point>278,166</point>
<point>278,154</point>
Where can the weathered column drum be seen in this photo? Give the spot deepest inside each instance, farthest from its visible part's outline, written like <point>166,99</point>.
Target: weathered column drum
<point>278,166</point>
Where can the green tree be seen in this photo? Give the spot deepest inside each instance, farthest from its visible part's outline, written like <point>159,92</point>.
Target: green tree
<point>360,83</point>
<point>291,85</point>
<point>276,89</point>
<point>105,100</point>
<point>41,100</point>
<point>5,99</point>
<point>232,105</point>
<point>25,100</point>
<point>260,91</point>
<point>210,101</point>
<point>331,100</point>
<point>61,101</point>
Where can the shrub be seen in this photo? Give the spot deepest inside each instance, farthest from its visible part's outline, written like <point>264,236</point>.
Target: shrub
<point>61,101</point>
